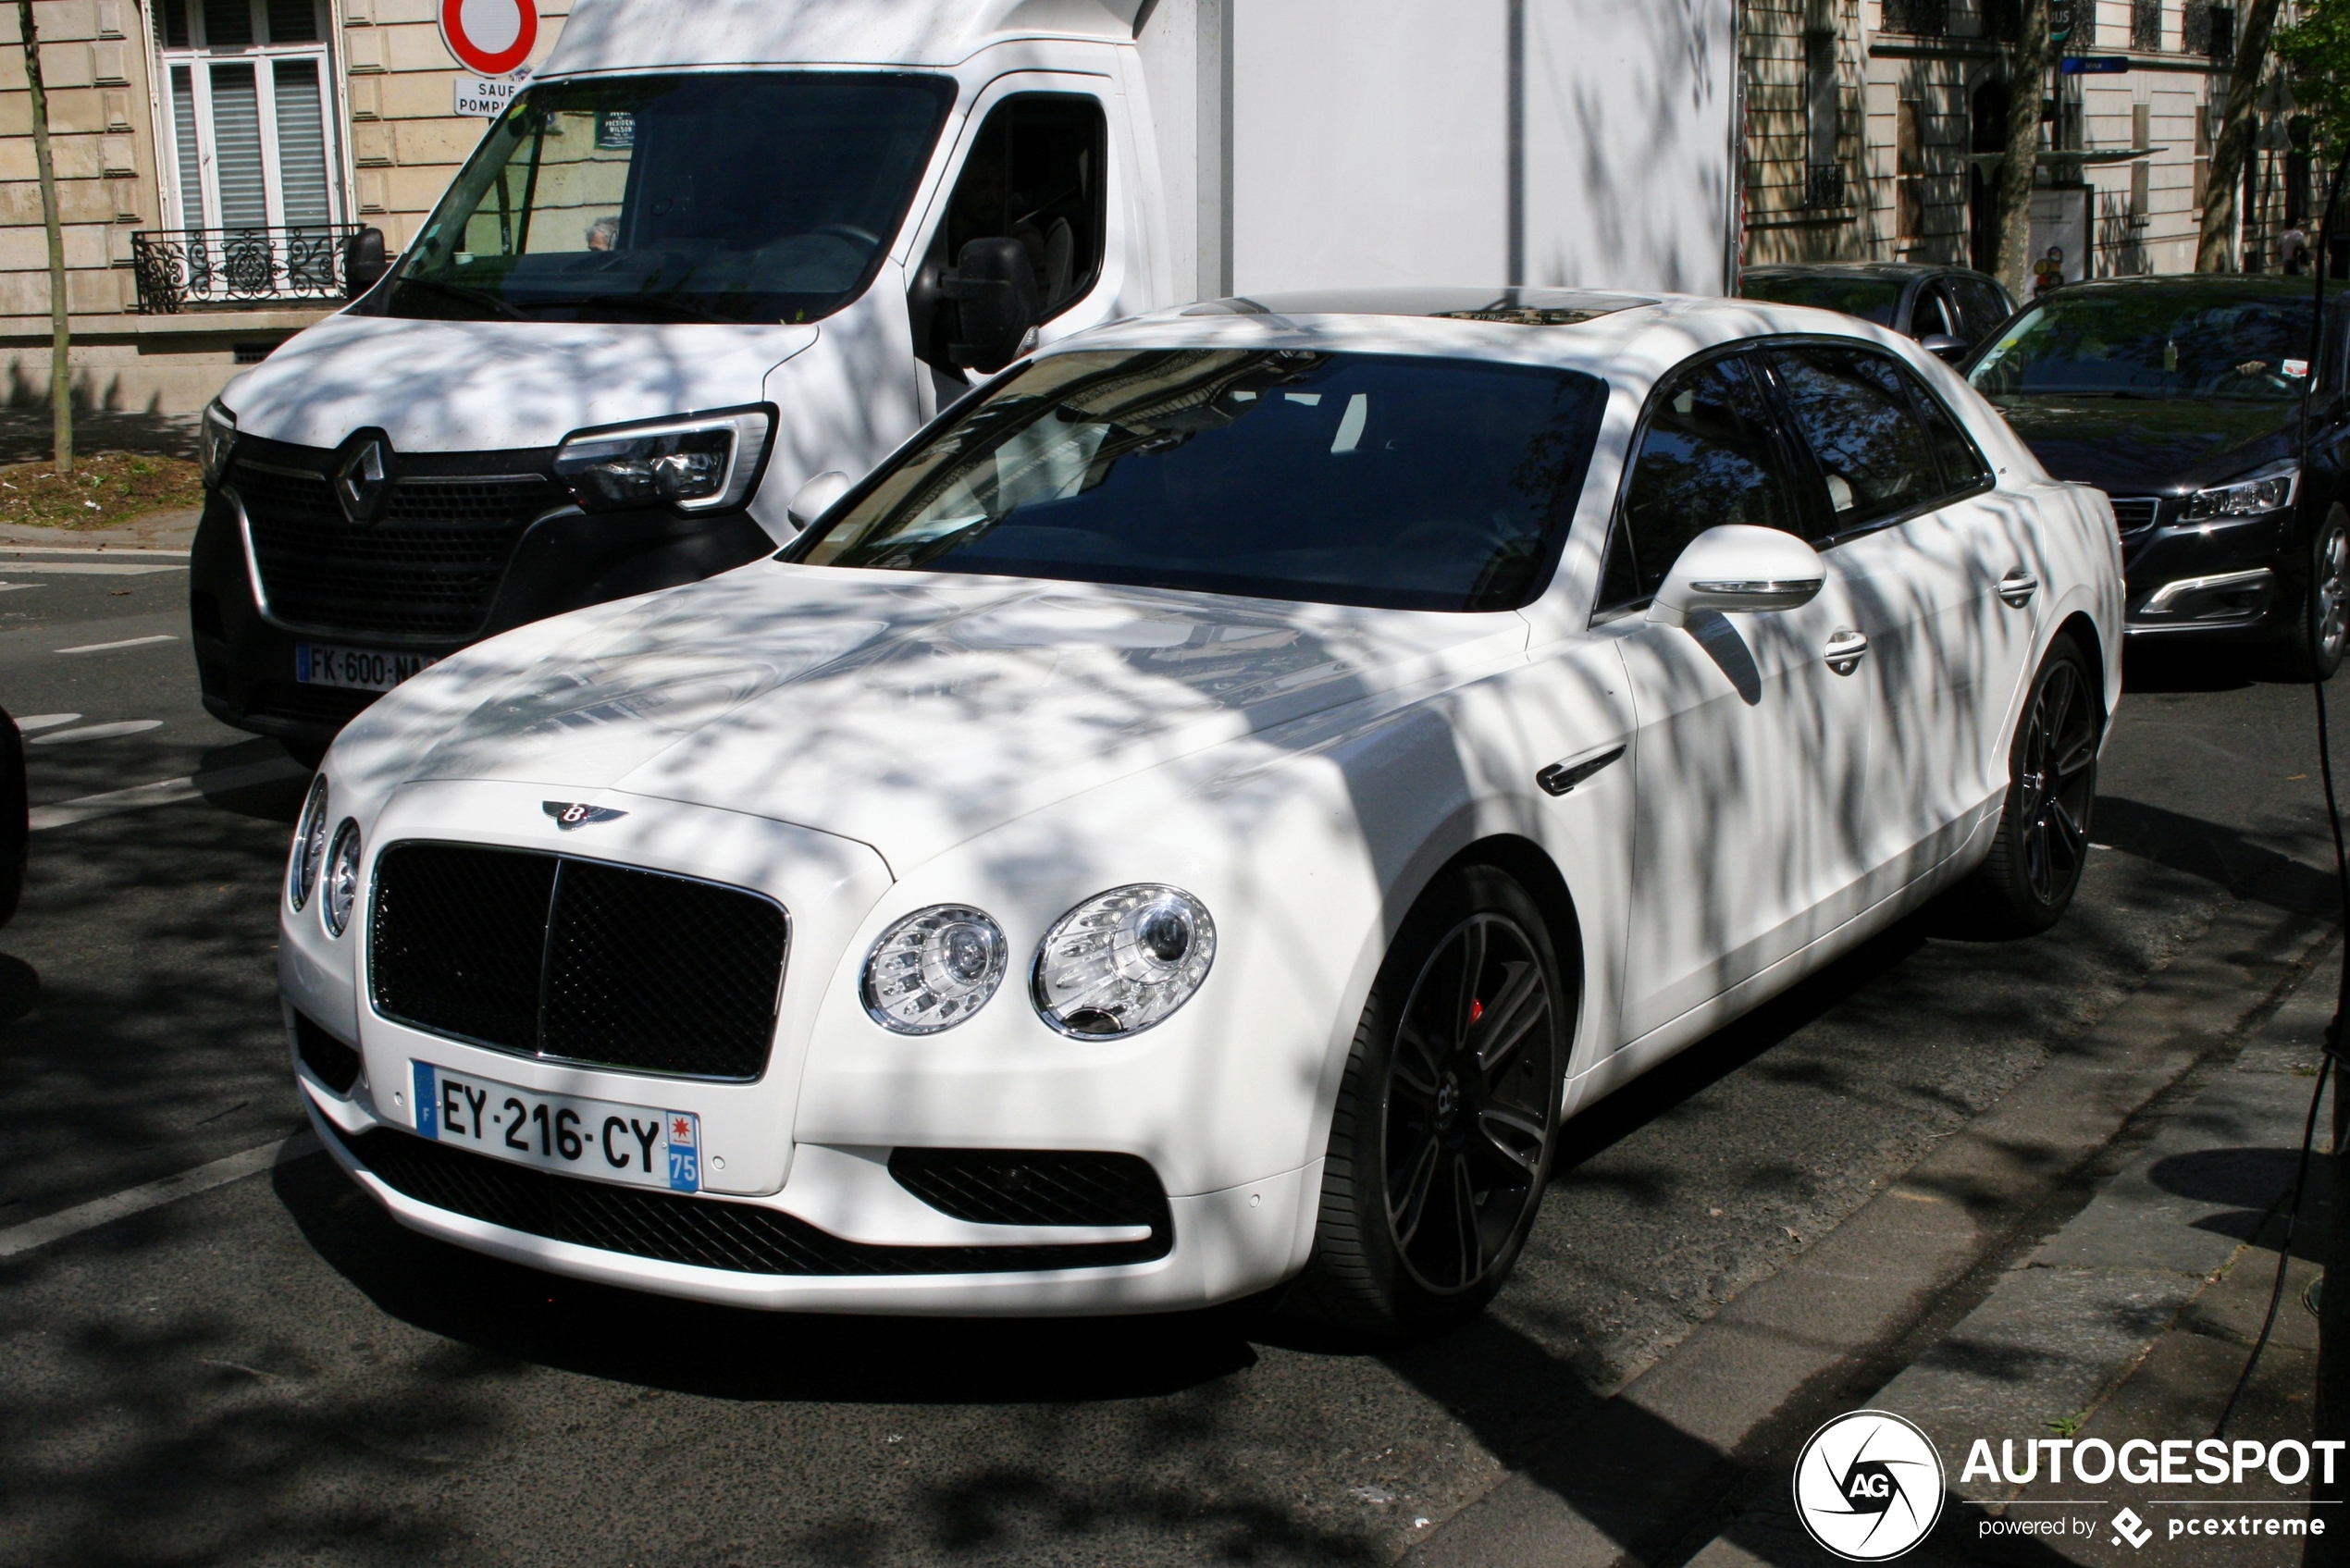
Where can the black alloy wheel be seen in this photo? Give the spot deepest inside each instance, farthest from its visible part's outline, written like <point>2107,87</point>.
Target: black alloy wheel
<point>1448,1116</point>
<point>2042,846</point>
<point>2321,625</point>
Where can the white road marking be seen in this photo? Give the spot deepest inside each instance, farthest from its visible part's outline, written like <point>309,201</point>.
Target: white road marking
<point>93,568</point>
<point>20,588</point>
<point>40,1232</point>
<point>8,552</point>
<point>46,721</point>
<point>99,732</point>
<point>166,791</point>
<point>126,642</point>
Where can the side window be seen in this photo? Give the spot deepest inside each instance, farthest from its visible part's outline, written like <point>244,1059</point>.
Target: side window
<point>1034,174</point>
<point>1962,466</point>
<point>1933,313</point>
<point>1983,306</point>
<point>1708,456</point>
<point>1853,411</point>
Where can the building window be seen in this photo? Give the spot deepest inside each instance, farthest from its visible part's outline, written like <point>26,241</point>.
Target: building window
<point>2003,21</point>
<point>251,114</point>
<point>1822,174</point>
<point>2145,24</point>
<point>2141,193</point>
<point>2141,127</point>
<point>1927,19</point>
<point>2202,152</point>
<point>2209,30</point>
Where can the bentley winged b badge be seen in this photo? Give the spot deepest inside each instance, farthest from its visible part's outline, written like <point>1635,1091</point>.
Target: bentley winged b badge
<point>570,814</point>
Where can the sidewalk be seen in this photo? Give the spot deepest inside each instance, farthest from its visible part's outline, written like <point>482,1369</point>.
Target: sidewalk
<point>156,530</point>
<point>2132,1321</point>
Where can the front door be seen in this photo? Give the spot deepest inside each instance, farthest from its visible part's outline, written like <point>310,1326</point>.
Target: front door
<point>1750,751</point>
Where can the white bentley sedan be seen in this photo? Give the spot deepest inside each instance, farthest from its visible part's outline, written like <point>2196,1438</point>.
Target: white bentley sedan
<point>1204,814</point>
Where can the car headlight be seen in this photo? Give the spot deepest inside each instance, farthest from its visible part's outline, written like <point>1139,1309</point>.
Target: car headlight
<point>218,433</point>
<point>695,463</point>
<point>1123,960</point>
<point>342,878</point>
<point>933,969</point>
<point>2267,490</point>
<point>309,845</point>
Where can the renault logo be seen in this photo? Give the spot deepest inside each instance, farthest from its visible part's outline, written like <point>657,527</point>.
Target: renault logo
<point>363,485</point>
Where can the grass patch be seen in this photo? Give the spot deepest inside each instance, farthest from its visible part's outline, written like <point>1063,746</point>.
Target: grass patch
<point>105,490</point>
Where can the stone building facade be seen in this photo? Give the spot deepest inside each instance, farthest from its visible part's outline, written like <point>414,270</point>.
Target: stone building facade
<point>178,126</point>
<point>1876,128</point>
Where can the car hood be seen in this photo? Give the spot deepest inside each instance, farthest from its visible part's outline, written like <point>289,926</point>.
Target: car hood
<point>907,710</point>
<point>483,386</point>
<point>2150,446</point>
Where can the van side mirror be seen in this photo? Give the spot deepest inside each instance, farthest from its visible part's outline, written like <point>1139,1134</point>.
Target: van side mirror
<point>815,497</point>
<point>1941,345</point>
<point>362,262</point>
<point>994,288</point>
<point>1739,567</point>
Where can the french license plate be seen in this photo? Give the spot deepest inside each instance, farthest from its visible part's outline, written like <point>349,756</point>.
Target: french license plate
<point>643,1145</point>
<point>362,669</point>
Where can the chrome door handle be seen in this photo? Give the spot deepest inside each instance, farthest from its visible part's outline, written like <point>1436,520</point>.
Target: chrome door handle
<point>2017,587</point>
<point>1845,651</point>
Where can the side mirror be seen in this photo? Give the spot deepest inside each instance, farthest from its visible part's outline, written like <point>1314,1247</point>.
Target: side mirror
<point>362,262</point>
<point>994,287</point>
<point>815,497</point>
<point>1941,345</point>
<point>1737,567</point>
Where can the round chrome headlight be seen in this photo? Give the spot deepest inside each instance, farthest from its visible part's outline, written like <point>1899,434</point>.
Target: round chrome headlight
<point>1123,960</point>
<point>342,878</point>
<point>309,845</point>
<point>933,969</point>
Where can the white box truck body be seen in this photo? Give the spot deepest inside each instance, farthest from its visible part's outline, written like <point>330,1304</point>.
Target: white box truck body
<point>720,247</point>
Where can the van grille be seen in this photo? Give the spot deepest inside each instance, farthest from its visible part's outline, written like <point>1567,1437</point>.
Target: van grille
<point>705,1232</point>
<point>429,568</point>
<point>582,961</point>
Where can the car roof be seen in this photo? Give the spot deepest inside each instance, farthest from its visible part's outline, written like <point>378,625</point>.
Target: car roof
<point>1890,270</point>
<point>2192,282</point>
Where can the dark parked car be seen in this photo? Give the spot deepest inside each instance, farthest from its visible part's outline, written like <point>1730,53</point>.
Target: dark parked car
<point>1948,309</point>
<point>2182,398</point>
<point>15,818</point>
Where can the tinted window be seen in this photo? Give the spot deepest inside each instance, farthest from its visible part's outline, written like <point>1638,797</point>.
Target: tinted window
<point>1934,313</point>
<point>2152,341</point>
<point>1981,304</point>
<point>768,196</point>
<point>1853,409</point>
<point>1962,466</point>
<point>1871,299</point>
<point>1406,483</point>
<point>1708,457</point>
<point>1034,175</point>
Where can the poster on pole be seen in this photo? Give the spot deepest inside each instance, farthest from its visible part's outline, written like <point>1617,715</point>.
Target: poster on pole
<point>489,38</point>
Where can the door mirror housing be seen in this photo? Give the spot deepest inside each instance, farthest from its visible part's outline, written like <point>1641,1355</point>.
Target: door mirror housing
<point>1739,567</point>
<point>1941,345</point>
<point>994,288</point>
<point>362,262</point>
<point>815,497</point>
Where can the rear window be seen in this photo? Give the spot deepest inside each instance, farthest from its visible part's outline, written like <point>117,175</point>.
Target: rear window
<point>1871,299</point>
<point>1401,482</point>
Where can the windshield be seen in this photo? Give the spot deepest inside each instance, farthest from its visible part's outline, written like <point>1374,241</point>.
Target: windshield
<point>2139,342</point>
<point>747,197</point>
<point>1871,299</point>
<point>1406,483</point>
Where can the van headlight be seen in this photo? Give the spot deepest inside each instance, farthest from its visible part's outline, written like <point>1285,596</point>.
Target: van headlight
<point>343,878</point>
<point>215,434</point>
<point>309,846</point>
<point>2267,490</point>
<point>695,463</point>
<point>1123,960</point>
<point>933,969</point>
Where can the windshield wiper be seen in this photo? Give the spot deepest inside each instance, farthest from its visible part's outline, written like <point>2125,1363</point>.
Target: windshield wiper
<point>471,296</point>
<point>676,308</point>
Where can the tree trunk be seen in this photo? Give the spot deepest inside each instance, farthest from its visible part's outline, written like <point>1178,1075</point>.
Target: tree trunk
<point>60,329</point>
<point>2024,93</point>
<point>2232,149</point>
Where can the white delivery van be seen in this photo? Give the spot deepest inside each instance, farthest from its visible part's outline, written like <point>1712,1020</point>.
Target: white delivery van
<point>721,252</point>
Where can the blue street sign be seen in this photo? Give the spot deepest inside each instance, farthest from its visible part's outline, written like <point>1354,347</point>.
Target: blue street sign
<point>2093,65</point>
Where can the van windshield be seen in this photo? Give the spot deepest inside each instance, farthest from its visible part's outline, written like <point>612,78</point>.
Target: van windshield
<point>1338,478</point>
<point>768,196</point>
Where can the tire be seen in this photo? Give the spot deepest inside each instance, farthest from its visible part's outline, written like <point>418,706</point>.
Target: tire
<point>2027,882</point>
<point>1452,1088</point>
<point>2314,647</point>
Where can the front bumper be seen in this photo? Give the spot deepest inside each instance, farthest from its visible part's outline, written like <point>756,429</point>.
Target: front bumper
<point>2226,578</point>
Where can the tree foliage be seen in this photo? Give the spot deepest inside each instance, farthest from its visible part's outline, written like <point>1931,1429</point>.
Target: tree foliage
<point>2315,54</point>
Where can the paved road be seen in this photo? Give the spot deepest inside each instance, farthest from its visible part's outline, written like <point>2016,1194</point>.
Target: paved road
<point>271,1371</point>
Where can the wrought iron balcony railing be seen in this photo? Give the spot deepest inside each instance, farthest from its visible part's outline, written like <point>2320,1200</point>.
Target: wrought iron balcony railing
<point>182,269</point>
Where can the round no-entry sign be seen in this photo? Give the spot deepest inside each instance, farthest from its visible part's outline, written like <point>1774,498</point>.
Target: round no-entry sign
<point>489,36</point>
